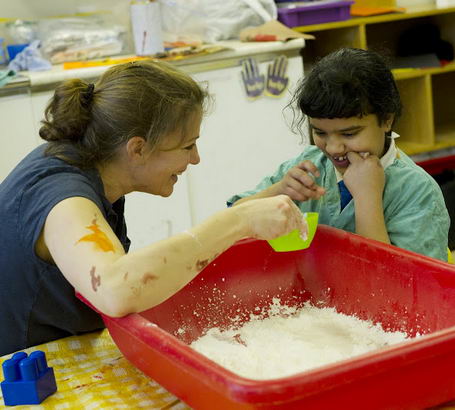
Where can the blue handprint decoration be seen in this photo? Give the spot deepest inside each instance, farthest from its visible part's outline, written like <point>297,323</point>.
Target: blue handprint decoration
<point>253,81</point>
<point>277,80</point>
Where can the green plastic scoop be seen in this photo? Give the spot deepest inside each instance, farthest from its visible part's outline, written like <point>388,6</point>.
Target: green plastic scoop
<point>292,241</point>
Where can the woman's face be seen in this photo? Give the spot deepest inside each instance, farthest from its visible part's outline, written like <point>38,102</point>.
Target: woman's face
<point>338,136</point>
<point>164,165</point>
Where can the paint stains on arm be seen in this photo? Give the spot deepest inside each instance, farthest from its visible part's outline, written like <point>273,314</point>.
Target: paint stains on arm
<point>98,237</point>
<point>147,277</point>
<point>201,264</point>
<point>96,279</point>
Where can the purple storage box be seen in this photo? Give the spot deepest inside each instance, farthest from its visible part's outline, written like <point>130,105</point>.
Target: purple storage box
<point>306,13</point>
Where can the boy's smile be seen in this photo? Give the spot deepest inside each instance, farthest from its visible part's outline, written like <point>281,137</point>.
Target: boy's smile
<point>338,136</point>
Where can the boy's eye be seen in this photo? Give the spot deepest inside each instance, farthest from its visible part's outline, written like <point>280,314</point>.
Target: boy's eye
<point>190,147</point>
<point>319,133</point>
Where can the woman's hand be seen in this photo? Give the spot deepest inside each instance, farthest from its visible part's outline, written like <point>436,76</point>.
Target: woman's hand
<point>299,183</point>
<point>268,218</point>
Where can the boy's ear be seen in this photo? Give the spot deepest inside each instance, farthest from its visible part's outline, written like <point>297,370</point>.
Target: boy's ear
<point>389,122</point>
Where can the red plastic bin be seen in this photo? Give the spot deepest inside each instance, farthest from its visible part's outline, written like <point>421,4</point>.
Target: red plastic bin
<point>314,13</point>
<point>400,289</point>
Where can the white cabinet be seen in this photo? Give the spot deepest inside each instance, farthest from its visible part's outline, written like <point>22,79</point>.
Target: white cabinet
<point>18,132</point>
<point>150,218</point>
<point>241,140</point>
<point>40,99</point>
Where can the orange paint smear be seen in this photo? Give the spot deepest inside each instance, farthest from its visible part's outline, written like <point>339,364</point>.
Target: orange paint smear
<point>98,237</point>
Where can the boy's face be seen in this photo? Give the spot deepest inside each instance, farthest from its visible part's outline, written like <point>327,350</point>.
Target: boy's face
<point>338,136</point>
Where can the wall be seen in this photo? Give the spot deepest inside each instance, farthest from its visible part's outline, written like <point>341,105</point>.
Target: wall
<point>36,9</point>
<point>408,3</point>
<point>31,9</point>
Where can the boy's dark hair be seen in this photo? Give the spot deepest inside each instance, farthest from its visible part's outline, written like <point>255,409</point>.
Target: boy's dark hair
<point>347,83</point>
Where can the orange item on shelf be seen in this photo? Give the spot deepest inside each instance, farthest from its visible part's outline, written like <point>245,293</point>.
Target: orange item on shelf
<point>69,65</point>
<point>359,11</point>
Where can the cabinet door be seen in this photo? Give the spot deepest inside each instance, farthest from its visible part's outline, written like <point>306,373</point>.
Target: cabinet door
<point>18,134</point>
<point>150,218</point>
<point>39,103</point>
<point>241,140</point>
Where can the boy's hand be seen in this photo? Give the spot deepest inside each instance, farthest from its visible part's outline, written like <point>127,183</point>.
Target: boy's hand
<point>299,182</point>
<point>365,175</point>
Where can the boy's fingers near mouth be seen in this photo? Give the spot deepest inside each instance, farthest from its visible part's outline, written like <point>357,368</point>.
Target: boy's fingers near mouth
<point>354,157</point>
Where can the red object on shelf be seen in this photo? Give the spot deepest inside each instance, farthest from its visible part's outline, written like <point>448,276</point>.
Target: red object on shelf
<point>400,289</point>
<point>438,165</point>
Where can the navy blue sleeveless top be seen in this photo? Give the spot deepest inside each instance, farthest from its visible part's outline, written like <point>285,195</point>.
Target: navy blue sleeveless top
<point>37,303</point>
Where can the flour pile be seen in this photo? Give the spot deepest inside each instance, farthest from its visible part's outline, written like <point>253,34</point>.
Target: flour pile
<point>292,340</point>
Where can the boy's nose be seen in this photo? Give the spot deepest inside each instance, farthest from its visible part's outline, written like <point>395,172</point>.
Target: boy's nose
<point>334,146</point>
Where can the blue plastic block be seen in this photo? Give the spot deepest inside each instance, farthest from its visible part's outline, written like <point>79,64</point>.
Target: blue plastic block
<point>28,379</point>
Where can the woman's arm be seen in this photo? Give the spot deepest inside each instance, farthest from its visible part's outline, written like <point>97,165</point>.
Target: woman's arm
<point>90,256</point>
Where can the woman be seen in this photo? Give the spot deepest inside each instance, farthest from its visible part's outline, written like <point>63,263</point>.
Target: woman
<point>134,130</point>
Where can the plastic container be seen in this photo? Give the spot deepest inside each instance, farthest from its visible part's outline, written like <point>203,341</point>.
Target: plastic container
<point>293,240</point>
<point>402,290</point>
<point>314,12</point>
<point>14,50</point>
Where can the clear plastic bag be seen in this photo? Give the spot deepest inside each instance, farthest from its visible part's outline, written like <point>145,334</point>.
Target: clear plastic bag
<point>212,20</point>
<point>72,39</point>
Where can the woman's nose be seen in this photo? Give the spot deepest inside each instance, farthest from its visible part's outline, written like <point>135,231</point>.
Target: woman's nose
<point>194,156</point>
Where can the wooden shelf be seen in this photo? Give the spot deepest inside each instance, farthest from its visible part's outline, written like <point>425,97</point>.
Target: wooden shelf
<point>404,73</point>
<point>411,13</point>
<point>428,94</point>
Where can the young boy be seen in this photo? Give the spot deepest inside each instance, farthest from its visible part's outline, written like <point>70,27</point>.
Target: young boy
<point>354,175</point>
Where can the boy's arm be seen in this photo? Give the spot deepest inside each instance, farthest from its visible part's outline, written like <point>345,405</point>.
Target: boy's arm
<point>265,193</point>
<point>365,180</point>
<point>298,183</point>
<point>369,218</point>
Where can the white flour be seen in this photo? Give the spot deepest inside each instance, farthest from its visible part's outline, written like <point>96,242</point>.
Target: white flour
<point>292,340</point>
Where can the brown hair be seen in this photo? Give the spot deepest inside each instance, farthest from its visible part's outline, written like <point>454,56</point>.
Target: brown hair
<point>86,123</point>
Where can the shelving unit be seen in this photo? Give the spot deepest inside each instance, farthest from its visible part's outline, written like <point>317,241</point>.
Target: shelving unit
<point>428,94</point>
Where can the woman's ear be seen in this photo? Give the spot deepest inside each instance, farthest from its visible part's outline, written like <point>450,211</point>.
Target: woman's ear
<point>136,148</point>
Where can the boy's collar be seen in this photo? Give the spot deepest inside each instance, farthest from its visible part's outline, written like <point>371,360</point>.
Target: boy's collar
<point>386,160</point>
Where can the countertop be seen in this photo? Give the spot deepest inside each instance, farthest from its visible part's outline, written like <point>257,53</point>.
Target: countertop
<point>235,50</point>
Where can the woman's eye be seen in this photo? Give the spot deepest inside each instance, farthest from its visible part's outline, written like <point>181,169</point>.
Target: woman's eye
<point>190,147</point>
